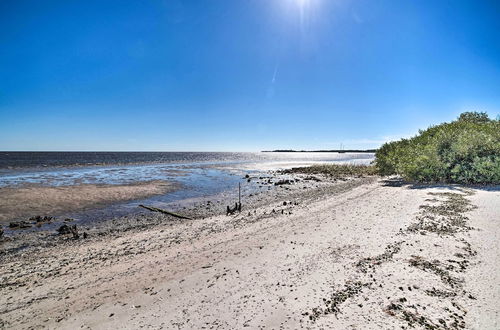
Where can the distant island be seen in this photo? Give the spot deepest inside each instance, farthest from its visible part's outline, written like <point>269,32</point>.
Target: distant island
<point>337,150</point>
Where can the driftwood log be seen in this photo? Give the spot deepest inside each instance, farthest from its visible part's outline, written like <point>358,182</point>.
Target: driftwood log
<point>155,209</point>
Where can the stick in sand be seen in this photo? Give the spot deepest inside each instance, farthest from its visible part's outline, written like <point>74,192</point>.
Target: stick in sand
<point>155,209</point>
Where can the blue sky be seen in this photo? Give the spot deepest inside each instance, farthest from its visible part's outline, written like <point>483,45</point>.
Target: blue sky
<point>240,75</point>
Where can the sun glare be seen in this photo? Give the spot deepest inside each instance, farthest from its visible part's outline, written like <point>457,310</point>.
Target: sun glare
<point>305,9</point>
<point>303,3</point>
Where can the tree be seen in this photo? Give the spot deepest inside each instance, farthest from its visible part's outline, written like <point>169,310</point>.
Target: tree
<point>475,117</point>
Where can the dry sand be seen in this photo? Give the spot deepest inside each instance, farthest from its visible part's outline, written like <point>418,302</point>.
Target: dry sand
<point>18,203</point>
<point>378,256</point>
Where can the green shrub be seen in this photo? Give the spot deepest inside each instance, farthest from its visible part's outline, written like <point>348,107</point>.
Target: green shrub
<point>464,151</point>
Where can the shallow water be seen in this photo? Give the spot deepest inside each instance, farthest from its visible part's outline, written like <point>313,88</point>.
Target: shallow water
<point>197,175</point>
<point>66,169</point>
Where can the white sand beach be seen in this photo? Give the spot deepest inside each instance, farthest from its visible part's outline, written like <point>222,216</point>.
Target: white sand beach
<point>377,256</point>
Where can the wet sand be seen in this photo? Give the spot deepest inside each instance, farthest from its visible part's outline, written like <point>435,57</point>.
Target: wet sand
<point>24,202</point>
<point>355,254</point>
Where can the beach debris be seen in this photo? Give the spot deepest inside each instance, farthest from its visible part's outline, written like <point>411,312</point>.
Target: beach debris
<point>332,305</point>
<point>369,263</point>
<point>19,225</point>
<point>283,181</point>
<point>440,293</point>
<point>65,229</point>
<point>155,209</point>
<point>1,232</point>
<point>437,268</point>
<point>40,219</point>
<point>413,317</point>
<point>312,178</point>
<point>237,205</point>
<point>445,218</point>
<point>233,210</point>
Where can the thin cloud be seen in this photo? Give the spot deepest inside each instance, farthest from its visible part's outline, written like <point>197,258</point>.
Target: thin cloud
<point>274,74</point>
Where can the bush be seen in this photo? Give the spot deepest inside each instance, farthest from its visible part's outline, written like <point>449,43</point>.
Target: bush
<point>464,151</point>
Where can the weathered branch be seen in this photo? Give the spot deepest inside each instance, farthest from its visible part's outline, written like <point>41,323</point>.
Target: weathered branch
<point>155,209</point>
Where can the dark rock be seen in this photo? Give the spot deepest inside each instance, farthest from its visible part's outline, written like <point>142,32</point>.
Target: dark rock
<point>39,219</point>
<point>20,225</point>
<point>282,182</point>
<point>237,207</point>
<point>65,229</point>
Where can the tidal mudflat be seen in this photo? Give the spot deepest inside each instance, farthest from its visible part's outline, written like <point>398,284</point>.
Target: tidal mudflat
<point>28,201</point>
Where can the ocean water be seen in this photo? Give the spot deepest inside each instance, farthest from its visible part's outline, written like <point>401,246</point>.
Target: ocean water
<point>59,159</point>
<point>73,168</point>
<point>195,174</point>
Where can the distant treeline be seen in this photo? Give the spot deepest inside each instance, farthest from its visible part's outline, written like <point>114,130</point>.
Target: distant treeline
<point>337,150</point>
